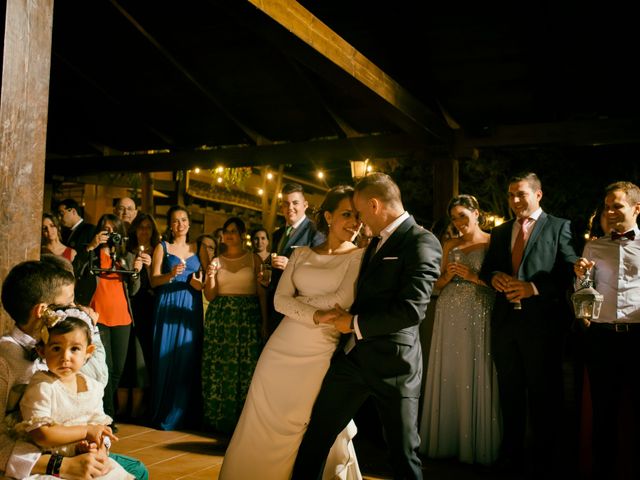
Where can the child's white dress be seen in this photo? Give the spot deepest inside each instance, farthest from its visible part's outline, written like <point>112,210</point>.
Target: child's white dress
<point>47,401</point>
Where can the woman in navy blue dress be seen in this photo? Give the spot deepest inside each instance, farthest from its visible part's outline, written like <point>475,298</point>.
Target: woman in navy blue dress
<point>177,340</point>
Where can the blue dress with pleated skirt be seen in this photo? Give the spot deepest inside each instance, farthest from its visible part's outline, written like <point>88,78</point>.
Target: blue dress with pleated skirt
<point>177,348</point>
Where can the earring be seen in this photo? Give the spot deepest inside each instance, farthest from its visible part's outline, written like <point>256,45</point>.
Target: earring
<point>329,225</point>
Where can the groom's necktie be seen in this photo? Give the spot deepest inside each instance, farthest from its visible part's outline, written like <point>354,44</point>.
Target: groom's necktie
<point>284,239</point>
<point>371,250</point>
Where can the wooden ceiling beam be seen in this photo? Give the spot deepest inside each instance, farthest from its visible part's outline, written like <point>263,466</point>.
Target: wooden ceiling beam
<point>297,31</point>
<point>323,152</point>
<point>575,133</point>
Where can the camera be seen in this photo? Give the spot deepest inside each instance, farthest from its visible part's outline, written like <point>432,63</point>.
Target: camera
<point>115,239</point>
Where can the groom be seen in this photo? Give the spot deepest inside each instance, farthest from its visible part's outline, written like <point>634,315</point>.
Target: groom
<point>382,358</point>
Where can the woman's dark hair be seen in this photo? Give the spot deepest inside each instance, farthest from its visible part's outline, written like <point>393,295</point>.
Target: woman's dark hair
<point>595,223</point>
<point>176,208</point>
<point>203,255</point>
<point>237,221</point>
<point>330,203</point>
<point>132,244</point>
<point>56,223</point>
<point>118,242</point>
<point>220,246</point>
<point>255,231</point>
<point>70,324</point>
<point>470,203</point>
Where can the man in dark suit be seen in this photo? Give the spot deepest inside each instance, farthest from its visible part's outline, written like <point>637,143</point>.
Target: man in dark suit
<point>77,233</point>
<point>529,262</point>
<point>382,358</point>
<point>298,231</point>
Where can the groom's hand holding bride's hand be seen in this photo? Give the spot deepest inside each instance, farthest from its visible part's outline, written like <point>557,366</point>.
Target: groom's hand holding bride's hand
<point>324,316</point>
<point>338,317</point>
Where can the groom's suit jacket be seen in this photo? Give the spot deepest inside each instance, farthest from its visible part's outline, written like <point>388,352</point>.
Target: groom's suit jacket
<point>393,291</point>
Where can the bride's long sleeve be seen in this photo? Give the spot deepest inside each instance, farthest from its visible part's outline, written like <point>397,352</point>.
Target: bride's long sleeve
<point>289,303</point>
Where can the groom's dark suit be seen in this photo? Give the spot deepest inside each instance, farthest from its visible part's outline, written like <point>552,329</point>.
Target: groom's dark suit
<point>526,344</point>
<point>392,294</point>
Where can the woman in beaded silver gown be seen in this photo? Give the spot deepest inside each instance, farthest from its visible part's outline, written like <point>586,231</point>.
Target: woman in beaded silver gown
<point>460,416</point>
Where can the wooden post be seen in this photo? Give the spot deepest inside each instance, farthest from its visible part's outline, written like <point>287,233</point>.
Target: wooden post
<point>147,193</point>
<point>270,223</point>
<point>24,99</point>
<point>445,184</point>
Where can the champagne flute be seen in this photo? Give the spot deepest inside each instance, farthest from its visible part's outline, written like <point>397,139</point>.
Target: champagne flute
<point>265,270</point>
<point>456,257</point>
<point>215,263</point>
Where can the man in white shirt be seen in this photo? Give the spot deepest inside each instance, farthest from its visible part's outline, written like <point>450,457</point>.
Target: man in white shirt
<point>77,233</point>
<point>612,341</point>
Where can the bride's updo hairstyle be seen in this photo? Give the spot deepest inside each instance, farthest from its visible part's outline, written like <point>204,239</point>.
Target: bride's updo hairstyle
<point>470,203</point>
<point>330,203</point>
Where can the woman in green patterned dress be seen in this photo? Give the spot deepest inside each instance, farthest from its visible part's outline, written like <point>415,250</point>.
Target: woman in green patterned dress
<point>232,326</point>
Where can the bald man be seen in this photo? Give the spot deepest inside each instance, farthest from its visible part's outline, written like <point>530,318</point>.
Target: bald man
<point>126,210</point>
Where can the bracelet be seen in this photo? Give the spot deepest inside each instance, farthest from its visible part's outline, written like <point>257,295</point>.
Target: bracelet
<point>54,464</point>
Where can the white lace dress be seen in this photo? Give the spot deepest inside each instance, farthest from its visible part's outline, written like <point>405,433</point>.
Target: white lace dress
<point>48,402</point>
<point>290,371</point>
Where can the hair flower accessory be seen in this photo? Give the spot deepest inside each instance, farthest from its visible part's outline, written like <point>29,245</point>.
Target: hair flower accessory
<point>51,318</point>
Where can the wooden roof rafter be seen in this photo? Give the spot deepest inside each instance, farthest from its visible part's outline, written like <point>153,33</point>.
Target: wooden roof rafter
<point>295,30</point>
<point>256,137</point>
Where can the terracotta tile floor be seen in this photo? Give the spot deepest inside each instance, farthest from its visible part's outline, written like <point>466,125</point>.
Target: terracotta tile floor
<point>198,456</point>
<point>172,455</point>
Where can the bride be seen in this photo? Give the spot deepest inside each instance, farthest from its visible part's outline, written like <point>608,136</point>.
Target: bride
<point>294,361</point>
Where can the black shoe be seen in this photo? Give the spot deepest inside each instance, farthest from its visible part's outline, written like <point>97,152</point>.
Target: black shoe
<point>114,428</point>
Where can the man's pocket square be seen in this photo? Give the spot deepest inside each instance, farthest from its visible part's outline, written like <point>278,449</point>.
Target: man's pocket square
<point>389,258</point>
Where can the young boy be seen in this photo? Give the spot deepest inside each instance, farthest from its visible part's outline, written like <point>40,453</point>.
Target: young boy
<point>27,290</point>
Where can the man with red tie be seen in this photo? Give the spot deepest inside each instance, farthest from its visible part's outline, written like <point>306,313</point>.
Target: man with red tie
<point>612,341</point>
<point>529,262</point>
